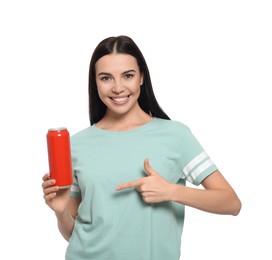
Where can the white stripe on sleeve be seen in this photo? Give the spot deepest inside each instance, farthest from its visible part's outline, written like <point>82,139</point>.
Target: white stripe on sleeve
<point>75,187</point>
<point>201,168</point>
<point>194,162</point>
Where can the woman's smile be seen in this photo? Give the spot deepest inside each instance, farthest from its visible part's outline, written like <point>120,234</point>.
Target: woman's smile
<point>120,100</point>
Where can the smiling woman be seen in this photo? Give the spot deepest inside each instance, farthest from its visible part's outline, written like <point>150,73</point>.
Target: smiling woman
<point>109,54</point>
<point>119,81</point>
<point>120,206</point>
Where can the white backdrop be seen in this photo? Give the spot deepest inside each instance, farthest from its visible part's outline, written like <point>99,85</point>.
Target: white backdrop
<point>211,64</point>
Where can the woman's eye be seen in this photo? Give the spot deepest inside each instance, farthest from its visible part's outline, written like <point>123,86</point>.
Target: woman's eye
<point>105,78</point>
<point>128,76</point>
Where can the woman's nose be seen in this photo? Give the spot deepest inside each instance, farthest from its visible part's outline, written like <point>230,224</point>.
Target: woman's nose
<point>118,87</point>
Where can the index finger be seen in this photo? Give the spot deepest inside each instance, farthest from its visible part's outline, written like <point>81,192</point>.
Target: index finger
<point>46,177</point>
<point>130,184</point>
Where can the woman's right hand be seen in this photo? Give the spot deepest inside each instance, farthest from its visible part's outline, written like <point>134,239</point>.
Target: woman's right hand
<point>57,199</point>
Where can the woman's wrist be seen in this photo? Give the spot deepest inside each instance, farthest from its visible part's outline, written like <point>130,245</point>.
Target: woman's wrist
<point>174,192</point>
<point>63,214</point>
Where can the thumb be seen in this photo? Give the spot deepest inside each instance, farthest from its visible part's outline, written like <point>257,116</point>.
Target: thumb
<point>149,170</point>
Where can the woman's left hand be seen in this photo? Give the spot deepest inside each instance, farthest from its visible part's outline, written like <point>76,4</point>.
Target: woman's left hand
<point>153,188</point>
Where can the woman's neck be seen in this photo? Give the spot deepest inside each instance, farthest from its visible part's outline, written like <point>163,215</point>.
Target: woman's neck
<point>123,122</point>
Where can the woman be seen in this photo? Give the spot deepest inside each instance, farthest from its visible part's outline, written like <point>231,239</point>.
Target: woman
<point>130,168</point>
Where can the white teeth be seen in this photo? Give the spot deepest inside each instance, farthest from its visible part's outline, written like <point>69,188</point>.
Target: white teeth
<point>120,99</point>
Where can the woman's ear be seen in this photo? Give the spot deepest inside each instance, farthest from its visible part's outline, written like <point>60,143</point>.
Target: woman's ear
<point>142,79</point>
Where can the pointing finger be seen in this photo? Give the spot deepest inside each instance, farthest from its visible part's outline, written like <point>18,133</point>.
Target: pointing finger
<point>130,184</point>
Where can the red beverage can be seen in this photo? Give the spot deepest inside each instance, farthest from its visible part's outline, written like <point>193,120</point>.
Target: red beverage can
<point>59,156</point>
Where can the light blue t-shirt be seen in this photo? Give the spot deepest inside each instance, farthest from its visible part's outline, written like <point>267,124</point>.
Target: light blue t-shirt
<point>119,225</point>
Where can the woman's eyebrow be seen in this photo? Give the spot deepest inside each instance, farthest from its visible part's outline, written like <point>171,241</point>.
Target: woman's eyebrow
<point>104,73</point>
<point>127,71</point>
<point>109,74</point>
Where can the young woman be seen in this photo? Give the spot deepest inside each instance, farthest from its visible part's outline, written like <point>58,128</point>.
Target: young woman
<point>130,168</point>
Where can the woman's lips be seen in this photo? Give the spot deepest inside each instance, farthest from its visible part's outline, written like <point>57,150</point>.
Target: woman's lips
<point>120,100</point>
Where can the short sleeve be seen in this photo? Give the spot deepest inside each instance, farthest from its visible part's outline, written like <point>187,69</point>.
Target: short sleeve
<point>196,163</point>
<point>75,190</point>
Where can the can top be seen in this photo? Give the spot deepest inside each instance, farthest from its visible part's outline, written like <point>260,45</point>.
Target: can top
<point>57,129</point>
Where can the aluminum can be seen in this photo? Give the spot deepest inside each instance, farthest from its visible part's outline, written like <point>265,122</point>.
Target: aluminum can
<point>59,156</point>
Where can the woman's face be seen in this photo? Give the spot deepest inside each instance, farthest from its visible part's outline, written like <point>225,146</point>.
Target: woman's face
<point>118,80</point>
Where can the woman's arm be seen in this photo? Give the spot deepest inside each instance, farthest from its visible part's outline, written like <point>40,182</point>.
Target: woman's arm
<point>217,197</point>
<point>62,204</point>
<point>66,219</point>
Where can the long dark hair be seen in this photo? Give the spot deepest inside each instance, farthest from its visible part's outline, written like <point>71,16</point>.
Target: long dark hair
<point>146,100</point>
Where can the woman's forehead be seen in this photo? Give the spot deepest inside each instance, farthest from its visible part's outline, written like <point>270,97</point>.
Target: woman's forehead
<point>116,61</point>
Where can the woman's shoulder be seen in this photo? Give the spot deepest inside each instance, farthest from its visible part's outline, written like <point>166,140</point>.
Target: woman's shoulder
<point>81,134</point>
<point>173,125</point>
